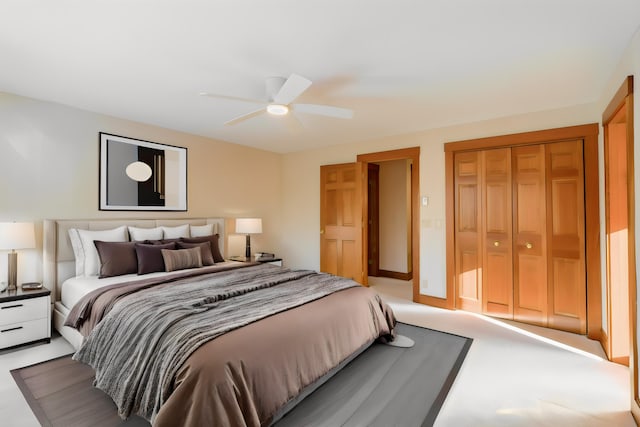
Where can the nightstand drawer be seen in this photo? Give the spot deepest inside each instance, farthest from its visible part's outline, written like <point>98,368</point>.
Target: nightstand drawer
<point>23,310</point>
<point>20,333</point>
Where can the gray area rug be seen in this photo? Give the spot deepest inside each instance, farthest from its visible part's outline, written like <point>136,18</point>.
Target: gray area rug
<point>383,386</point>
<point>387,386</point>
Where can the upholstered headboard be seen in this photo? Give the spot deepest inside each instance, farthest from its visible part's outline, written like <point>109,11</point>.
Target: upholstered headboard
<point>58,257</point>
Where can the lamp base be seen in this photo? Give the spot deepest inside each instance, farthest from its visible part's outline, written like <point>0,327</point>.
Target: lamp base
<point>247,252</point>
<point>12,264</point>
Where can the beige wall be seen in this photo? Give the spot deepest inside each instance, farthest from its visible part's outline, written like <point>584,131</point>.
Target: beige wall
<point>301,185</point>
<point>393,216</point>
<point>49,169</point>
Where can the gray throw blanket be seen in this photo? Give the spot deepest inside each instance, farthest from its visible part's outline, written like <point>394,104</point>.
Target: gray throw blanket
<point>137,349</point>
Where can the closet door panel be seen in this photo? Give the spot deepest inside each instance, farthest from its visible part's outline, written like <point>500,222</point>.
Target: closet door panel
<point>497,230</point>
<point>566,241</point>
<point>530,255</point>
<point>468,232</point>
<point>531,294</point>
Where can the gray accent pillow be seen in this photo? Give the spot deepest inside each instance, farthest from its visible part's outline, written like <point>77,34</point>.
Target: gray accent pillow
<point>180,259</point>
<point>150,258</point>
<point>213,239</point>
<point>116,258</point>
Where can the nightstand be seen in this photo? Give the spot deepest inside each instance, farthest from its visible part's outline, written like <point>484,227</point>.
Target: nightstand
<point>25,317</point>
<point>274,261</point>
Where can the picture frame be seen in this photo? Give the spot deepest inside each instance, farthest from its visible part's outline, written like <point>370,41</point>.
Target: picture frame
<point>139,175</point>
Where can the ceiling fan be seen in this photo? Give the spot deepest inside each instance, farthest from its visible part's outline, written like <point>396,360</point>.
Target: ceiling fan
<point>281,94</point>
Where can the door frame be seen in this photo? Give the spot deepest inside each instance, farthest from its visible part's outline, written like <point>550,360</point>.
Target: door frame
<point>619,102</point>
<point>373,208</point>
<point>589,134</point>
<point>624,99</point>
<point>413,154</point>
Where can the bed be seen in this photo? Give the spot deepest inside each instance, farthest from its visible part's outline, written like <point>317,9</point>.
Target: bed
<point>224,344</point>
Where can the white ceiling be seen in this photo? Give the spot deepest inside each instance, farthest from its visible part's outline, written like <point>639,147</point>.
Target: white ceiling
<point>401,65</point>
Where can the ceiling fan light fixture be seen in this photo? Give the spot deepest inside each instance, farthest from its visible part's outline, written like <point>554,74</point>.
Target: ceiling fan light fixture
<point>277,109</point>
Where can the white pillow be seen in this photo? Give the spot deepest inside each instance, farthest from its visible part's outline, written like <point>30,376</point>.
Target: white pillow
<point>175,232</point>
<point>137,233</point>
<point>201,230</point>
<point>78,251</point>
<point>87,260</point>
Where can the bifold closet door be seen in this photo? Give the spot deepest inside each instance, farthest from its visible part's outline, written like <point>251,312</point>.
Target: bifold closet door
<point>497,272</point>
<point>520,234</point>
<point>567,307</point>
<point>530,229</point>
<point>468,237</point>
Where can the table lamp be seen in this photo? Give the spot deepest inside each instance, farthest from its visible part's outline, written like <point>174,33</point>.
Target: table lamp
<point>248,226</point>
<point>15,235</point>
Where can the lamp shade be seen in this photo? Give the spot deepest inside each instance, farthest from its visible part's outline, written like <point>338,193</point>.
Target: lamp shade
<point>249,225</point>
<point>17,235</point>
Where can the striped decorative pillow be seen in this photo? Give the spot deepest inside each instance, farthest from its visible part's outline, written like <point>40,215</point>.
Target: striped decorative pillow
<point>205,250</point>
<point>180,259</point>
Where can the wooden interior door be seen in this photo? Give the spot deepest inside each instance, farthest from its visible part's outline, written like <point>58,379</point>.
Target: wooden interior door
<point>497,209</point>
<point>619,165</point>
<point>617,227</point>
<point>341,228</point>
<point>468,252</point>
<point>530,253</point>
<point>567,307</point>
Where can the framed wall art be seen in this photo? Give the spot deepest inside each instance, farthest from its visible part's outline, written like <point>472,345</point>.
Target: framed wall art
<point>137,175</point>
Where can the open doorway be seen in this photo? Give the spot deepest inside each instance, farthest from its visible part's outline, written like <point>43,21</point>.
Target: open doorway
<point>390,214</point>
<point>389,226</point>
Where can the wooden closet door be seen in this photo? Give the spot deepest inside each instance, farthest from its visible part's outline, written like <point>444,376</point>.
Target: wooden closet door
<point>567,309</point>
<point>468,250</point>
<point>530,229</point>
<point>497,209</point>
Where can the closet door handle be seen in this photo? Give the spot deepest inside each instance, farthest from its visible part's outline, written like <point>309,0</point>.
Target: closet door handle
<point>528,245</point>
<point>496,243</point>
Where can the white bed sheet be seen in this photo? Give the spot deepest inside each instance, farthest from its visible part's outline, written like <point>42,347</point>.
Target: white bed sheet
<point>74,289</point>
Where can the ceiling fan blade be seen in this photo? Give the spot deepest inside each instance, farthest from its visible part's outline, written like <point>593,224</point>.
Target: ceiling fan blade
<point>291,89</point>
<point>293,124</point>
<point>324,110</point>
<point>232,98</point>
<point>245,116</point>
